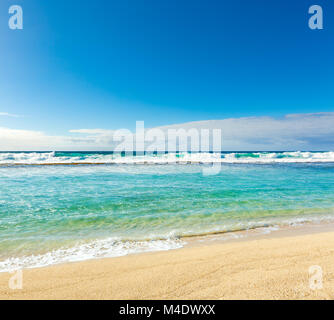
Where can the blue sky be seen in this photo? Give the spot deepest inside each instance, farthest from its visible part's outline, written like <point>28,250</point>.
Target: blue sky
<point>105,64</point>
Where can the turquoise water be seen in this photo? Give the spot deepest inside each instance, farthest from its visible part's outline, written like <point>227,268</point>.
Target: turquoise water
<point>59,213</point>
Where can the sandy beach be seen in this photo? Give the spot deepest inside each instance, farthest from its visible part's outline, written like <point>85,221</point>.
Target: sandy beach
<point>271,267</point>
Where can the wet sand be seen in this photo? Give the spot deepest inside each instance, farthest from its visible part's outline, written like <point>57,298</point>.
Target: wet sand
<point>274,266</point>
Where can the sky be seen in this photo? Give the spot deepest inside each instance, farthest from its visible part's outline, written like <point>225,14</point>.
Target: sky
<point>86,65</point>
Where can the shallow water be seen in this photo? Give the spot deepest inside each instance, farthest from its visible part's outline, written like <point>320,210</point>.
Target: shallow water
<point>53,214</point>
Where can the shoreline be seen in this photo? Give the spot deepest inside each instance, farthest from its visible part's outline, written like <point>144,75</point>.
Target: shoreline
<point>263,232</point>
<point>184,241</point>
<point>259,266</point>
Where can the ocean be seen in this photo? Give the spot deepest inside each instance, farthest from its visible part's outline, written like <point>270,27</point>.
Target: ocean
<point>57,207</point>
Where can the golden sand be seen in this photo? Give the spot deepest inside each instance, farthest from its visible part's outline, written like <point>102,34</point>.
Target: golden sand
<point>269,268</point>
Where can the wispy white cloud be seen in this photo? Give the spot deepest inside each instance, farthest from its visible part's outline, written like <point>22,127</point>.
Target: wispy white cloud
<point>292,132</point>
<point>92,131</point>
<point>27,140</point>
<point>6,114</point>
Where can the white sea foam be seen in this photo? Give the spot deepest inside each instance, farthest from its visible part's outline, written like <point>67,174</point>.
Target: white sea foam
<point>105,248</point>
<point>114,247</point>
<point>181,158</point>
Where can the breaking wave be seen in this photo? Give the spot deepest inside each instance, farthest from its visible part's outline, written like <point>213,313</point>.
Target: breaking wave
<point>103,248</point>
<point>53,158</point>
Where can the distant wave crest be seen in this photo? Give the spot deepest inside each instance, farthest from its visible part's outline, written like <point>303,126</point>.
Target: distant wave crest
<point>40,158</point>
